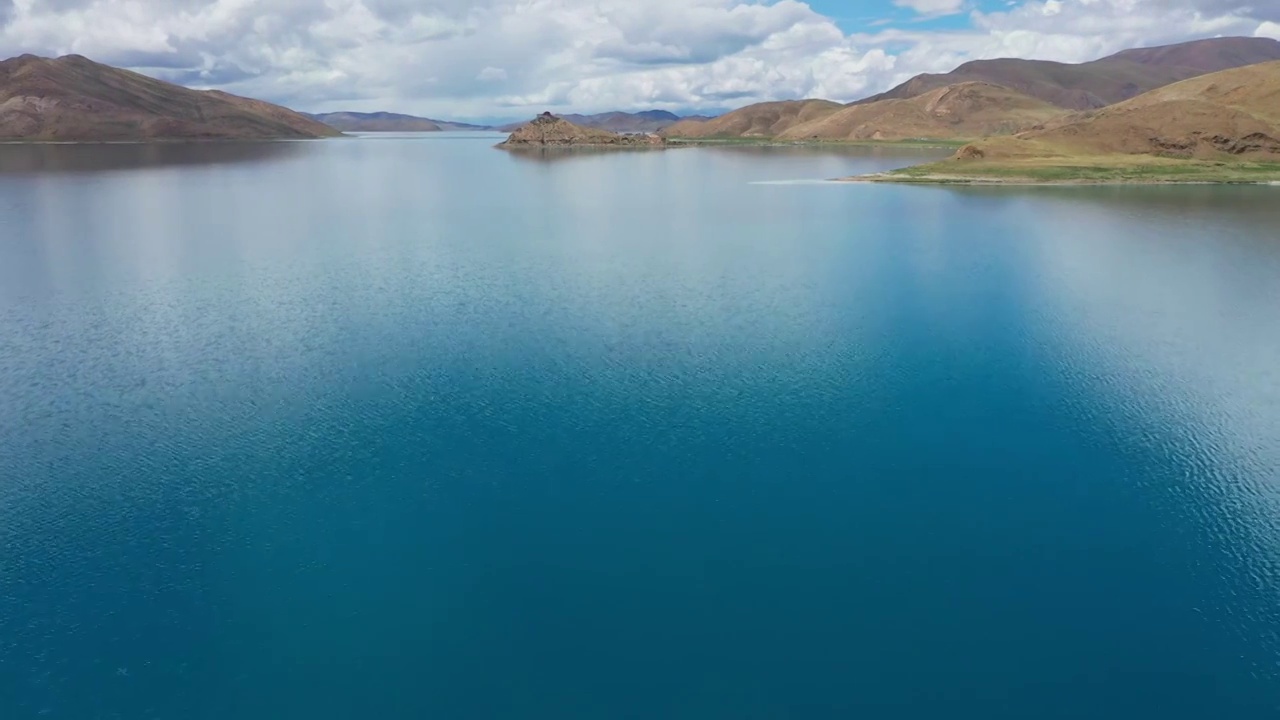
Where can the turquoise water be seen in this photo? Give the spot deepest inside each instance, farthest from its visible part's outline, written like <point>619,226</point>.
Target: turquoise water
<point>413,428</point>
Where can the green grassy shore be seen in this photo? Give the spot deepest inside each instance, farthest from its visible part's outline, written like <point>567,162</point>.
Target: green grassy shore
<point>774,142</point>
<point>1097,170</point>
<point>1056,169</point>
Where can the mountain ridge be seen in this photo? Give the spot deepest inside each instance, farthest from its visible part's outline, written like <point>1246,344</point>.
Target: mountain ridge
<point>1230,113</point>
<point>72,98</point>
<point>766,119</point>
<point>1101,82</point>
<point>1222,127</point>
<point>1082,86</point>
<point>961,111</point>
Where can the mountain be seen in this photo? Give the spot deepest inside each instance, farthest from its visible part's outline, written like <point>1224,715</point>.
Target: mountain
<point>760,120</point>
<point>73,98</point>
<point>1221,127</point>
<point>388,122</point>
<point>1232,113</point>
<point>647,121</point>
<point>1101,82</point>
<point>547,130</point>
<point>965,110</point>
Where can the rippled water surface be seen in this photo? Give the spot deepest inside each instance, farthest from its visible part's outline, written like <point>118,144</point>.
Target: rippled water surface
<point>407,427</point>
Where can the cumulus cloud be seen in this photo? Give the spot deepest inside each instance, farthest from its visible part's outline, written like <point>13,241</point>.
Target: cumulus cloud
<point>472,58</point>
<point>932,7</point>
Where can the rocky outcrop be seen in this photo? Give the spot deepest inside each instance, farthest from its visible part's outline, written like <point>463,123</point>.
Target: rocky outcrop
<point>547,130</point>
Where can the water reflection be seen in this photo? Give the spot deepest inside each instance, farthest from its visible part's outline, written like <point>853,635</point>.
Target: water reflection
<point>1166,311</point>
<point>556,154</point>
<point>1252,205</point>
<point>915,153</point>
<point>404,416</point>
<point>46,158</point>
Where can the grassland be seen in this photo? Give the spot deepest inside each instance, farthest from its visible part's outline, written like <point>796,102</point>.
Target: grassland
<point>775,142</point>
<point>1097,170</point>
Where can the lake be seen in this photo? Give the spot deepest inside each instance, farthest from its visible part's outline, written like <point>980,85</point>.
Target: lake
<point>408,427</point>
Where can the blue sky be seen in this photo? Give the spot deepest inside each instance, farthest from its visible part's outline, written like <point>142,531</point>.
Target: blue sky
<point>865,17</point>
<point>484,59</point>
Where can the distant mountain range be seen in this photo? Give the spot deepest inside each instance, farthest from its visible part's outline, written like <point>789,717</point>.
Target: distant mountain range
<point>72,98</point>
<point>648,121</point>
<point>388,122</point>
<point>999,96</point>
<point>1101,82</point>
<point>766,119</point>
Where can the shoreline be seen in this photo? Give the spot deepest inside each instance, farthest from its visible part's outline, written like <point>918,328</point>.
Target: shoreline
<point>569,147</point>
<point>172,141</point>
<point>774,142</point>
<point>972,181</point>
<point>1112,169</point>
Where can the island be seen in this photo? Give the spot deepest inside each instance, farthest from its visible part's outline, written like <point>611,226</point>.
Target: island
<point>549,131</point>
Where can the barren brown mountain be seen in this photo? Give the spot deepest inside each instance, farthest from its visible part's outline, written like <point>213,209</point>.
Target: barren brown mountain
<point>1229,114</point>
<point>547,130</point>
<point>967,110</point>
<point>760,120</point>
<point>1101,82</point>
<point>75,99</point>
<point>1084,86</point>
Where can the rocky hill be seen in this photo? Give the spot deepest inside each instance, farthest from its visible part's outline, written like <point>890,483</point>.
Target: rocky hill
<point>1101,82</point>
<point>966,110</point>
<point>1229,114</point>
<point>547,130</point>
<point>1218,128</point>
<point>72,98</point>
<point>768,119</point>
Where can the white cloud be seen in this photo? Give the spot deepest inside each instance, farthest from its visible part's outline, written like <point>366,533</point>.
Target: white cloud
<point>932,7</point>
<point>468,58</point>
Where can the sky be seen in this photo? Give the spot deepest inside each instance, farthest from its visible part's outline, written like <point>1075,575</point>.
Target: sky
<point>509,59</point>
